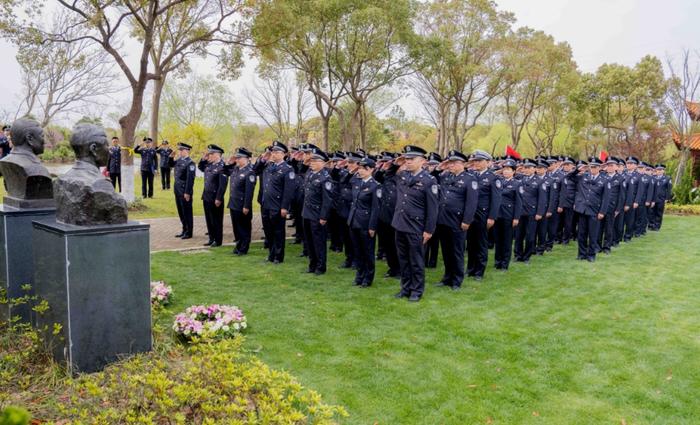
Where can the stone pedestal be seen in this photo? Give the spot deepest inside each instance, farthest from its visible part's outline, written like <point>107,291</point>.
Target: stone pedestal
<point>96,280</point>
<point>16,267</point>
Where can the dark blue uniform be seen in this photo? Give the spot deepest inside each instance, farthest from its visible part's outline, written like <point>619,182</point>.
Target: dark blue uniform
<point>663,194</point>
<point>164,154</point>
<point>114,166</point>
<point>415,213</point>
<point>642,199</point>
<point>363,218</point>
<point>542,224</point>
<point>387,205</point>
<point>278,190</point>
<point>458,201</point>
<point>241,189</point>
<point>511,209</point>
<point>555,179</point>
<point>185,172</point>
<point>318,188</point>
<point>533,192</point>
<point>614,210</point>
<point>567,196</point>
<point>300,170</point>
<point>343,200</point>
<point>488,206</point>
<point>148,169</point>
<point>632,183</point>
<point>592,198</point>
<point>214,190</point>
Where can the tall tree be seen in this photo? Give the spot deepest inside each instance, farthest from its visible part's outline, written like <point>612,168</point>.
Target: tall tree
<point>108,23</point>
<point>537,71</point>
<point>458,69</point>
<point>683,88</point>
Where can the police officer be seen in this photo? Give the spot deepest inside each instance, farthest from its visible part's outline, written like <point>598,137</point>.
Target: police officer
<point>164,152</point>
<point>615,205</point>
<point>334,227</point>
<point>185,172</point>
<point>567,196</point>
<point>542,224</point>
<point>5,141</point>
<point>363,219</point>
<point>433,245</point>
<point>642,200</point>
<point>296,161</point>
<point>619,226</point>
<point>488,206</point>
<point>458,199</point>
<point>148,166</point>
<point>278,191</point>
<point>631,203</point>
<point>114,164</point>
<point>592,198</point>
<point>534,206</point>
<point>414,220</point>
<point>386,176</point>
<point>508,216</point>
<point>240,203</point>
<point>345,178</point>
<point>663,194</point>
<point>318,190</point>
<point>213,195</point>
<point>555,175</point>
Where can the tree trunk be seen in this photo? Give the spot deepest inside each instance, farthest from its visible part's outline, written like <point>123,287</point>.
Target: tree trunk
<point>682,163</point>
<point>326,121</point>
<point>128,125</point>
<point>158,85</point>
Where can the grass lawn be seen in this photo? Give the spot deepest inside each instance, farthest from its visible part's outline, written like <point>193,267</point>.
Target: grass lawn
<point>558,342</point>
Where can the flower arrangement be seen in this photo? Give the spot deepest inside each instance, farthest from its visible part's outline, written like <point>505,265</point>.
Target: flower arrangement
<point>161,293</point>
<point>210,322</point>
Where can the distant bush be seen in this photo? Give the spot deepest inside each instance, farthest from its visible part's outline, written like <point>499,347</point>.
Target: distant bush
<point>683,209</point>
<point>62,152</point>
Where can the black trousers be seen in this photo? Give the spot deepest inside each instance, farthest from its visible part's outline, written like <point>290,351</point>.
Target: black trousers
<point>588,228</point>
<point>541,235</point>
<point>619,228</point>
<point>242,229</point>
<point>334,228</point>
<point>607,232</point>
<point>363,245</point>
<point>503,233</point>
<point>478,252</point>
<point>146,184</point>
<point>116,179</point>
<point>431,251</point>
<point>184,211</point>
<point>658,214</point>
<point>214,217</point>
<point>630,223</point>
<point>388,236</point>
<point>347,243</point>
<point>273,225</point>
<point>641,220</point>
<point>316,236</point>
<point>165,177</point>
<point>410,249</point>
<point>552,226</point>
<point>567,232</point>
<point>452,242</point>
<point>525,238</point>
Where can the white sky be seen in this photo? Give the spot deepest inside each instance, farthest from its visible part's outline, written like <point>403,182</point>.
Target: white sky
<point>599,31</point>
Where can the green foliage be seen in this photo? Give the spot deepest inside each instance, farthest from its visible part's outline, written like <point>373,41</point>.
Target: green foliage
<point>14,416</point>
<point>210,383</point>
<point>62,152</point>
<point>683,193</point>
<point>683,209</point>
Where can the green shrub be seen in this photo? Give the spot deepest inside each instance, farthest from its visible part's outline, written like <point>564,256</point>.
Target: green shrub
<point>683,209</point>
<point>682,192</point>
<point>14,416</point>
<point>209,383</point>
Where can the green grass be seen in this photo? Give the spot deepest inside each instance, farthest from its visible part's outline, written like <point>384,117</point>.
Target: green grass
<point>559,341</point>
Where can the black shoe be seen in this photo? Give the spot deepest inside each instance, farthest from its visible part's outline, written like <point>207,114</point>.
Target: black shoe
<point>319,272</point>
<point>208,243</point>
<point>309,271</point>
<point>186,236</point>
<point>414,298</point>
<point>478,278</point>
<point>400,295</point>
<point>456,288</point>
<point>591,259</point>
<point>215,244</point>
<point>179,235</point>
<point>276,262</point>
<point>365,285</point>
<point>239,253</point>
<point>356,283</point>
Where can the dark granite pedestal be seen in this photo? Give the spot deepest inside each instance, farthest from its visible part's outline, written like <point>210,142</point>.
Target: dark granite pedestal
<point>96,281</point>
<point>16,267</point>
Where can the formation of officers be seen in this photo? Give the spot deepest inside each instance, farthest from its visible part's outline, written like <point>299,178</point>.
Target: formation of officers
<point>414,203</point>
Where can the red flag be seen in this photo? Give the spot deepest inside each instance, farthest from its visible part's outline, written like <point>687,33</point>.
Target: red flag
<point>603,156</point>
<point>512,152</point>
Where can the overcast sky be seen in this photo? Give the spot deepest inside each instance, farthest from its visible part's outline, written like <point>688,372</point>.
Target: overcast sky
<point>599,31</point>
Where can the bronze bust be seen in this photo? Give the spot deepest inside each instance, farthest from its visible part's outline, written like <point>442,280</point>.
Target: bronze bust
<point>27,181</point>
<point>83,195</point>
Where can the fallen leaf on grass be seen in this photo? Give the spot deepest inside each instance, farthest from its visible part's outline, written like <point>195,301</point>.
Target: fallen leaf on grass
<point>535,413</point>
